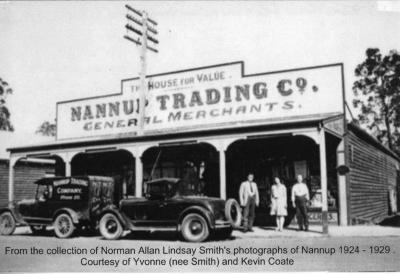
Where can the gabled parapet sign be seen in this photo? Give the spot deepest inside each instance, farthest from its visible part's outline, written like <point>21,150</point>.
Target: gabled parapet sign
<point>212,97</point>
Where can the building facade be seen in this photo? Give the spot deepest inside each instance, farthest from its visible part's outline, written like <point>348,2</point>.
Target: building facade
<point>214,125</point>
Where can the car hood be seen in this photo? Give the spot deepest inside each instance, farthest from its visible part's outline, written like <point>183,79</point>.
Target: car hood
<point>202,198</point>
<point>26,202</point>
<point>25,205</point>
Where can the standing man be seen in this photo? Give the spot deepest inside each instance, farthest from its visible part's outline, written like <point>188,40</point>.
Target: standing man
<point>249,199</point>
<point>300,197</point>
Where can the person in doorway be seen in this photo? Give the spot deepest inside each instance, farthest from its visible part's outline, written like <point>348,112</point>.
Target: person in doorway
<point>190,180</point>
<point>279,203</point>
<point>300,197</point>
<point>202,182</point>
<point>249,199</point>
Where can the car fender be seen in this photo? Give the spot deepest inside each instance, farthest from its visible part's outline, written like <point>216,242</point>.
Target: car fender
<point>120,215</point>
<point>17,217</point>
<point>198,209</point>
<point>74,215</point>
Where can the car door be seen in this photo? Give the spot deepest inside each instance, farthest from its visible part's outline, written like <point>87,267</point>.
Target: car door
<point>40,211</point>
<point>170,210</point>
<point>172,206</point>
<point>144,212</point>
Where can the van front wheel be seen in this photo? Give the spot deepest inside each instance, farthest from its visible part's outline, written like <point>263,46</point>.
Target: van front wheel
<point>7,223</point>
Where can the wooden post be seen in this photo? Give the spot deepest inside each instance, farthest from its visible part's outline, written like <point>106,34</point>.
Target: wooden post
<point>222,173</point>
<point>11,163</point>
<point>138,176</point>
<point>143,67</point>
<point>67,168</point>
<point>342,189</point>
<point>324,181</point>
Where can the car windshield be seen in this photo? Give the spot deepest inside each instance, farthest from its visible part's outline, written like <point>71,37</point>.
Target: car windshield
<point>185,188</point>
<point>164,189</point>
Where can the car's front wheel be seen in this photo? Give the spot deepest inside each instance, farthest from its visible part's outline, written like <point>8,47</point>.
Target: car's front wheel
<point>7,223</point>
<point>110,227</point>
<point>194,228</point>
<point>64,226</point>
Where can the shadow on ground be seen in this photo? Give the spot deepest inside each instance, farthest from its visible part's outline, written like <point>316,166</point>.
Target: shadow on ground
<point>167,236</point>
<point>49,232</point>
<point>391,221</point>
<point>172,236</point>
<point>289,229</point>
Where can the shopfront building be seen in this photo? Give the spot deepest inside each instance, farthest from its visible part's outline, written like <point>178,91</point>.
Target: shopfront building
<point>211,126</point>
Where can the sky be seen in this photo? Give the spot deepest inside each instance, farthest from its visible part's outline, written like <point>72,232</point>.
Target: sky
<point>53,51</point>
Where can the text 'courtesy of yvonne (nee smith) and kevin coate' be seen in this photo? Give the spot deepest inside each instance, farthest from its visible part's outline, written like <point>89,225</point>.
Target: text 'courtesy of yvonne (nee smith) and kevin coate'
<point>146,256</point>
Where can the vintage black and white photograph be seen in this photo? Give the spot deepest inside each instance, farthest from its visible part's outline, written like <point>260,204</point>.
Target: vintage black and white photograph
<point>199,136</point>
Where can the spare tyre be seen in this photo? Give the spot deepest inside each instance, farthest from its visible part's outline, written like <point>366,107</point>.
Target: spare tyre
<point>233,213</point>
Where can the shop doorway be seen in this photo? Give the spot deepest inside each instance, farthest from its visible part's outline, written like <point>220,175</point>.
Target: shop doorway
<point>196,164</point>
<point>118,164</point>
<point>284,157</point>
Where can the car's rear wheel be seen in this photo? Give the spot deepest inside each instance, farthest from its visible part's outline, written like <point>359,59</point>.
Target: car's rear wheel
<point>233,213</point>
<point>38,229</point>
<point>194,228</point>
<point>64,226</point>
<point>7,223</point>
<point>110,227</point>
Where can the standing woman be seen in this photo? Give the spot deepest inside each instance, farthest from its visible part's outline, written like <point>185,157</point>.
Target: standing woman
<point>279,203</point>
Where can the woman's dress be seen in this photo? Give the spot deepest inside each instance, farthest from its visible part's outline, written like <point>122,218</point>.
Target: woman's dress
<point>278,200</point>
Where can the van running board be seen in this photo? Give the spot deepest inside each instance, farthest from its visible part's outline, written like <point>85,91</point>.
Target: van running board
<point>152,228</point>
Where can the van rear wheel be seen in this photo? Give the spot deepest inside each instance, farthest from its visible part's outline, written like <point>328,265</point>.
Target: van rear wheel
<point>7,223</point>
<point>64,226</point>
<point>110,227</point>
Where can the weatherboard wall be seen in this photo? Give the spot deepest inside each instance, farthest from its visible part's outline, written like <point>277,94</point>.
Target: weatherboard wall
<point>372,174</point>
<point>24,175</point>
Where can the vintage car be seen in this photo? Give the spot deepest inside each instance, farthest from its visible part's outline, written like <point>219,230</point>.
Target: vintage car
<point>164,208</point>
<point>66,203</point>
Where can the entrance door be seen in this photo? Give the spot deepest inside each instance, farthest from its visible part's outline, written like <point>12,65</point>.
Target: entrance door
<point>267,158</point>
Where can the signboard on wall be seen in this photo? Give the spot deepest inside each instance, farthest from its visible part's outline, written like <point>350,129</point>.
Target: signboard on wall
<point>213,97</point>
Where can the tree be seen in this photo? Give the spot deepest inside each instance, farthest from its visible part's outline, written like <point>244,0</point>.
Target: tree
<point>47,129</point>
<point>377,92</point>
<point>5,123</point>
